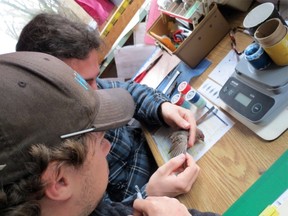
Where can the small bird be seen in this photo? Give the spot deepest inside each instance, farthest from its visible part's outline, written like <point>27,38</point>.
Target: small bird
<point>179,141</point>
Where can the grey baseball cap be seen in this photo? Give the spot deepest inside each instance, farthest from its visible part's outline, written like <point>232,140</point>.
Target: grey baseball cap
<point>44,101</point>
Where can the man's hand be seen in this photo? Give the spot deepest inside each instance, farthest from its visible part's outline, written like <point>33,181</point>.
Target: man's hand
<point>174,177</point>
<point>179,117</point>
<point>159,206</point>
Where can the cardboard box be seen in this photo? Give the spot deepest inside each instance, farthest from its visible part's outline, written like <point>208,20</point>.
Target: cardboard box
<point>200,42</point>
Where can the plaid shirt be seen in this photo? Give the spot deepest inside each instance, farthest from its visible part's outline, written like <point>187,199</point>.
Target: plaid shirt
<point>130,160</point>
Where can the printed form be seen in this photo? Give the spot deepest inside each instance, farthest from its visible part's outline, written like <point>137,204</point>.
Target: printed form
<point>214,127</point>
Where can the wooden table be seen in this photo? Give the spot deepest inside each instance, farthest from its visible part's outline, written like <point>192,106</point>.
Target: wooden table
<point>237,160</point>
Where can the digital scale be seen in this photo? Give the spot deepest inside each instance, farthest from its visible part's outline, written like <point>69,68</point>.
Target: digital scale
<point>257,96</point>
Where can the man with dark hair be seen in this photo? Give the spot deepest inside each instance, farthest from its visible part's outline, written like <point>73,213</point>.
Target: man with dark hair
<point>129,159</point>
<point>53,150</point>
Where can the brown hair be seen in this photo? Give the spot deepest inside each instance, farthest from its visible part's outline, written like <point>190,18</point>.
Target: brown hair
<point>21,198</point>
<point>58,36</point>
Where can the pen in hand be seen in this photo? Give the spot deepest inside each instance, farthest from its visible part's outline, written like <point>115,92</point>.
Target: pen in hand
<point>139,195</point>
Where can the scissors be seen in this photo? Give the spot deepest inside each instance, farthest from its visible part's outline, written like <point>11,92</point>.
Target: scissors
<point>141,75</point>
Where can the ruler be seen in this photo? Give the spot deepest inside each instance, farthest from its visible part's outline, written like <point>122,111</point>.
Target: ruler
<point>115,18</point>
<point>116,25</point>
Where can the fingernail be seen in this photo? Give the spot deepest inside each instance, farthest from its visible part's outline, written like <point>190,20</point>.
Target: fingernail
<point>182,156</point>
<point>187,125</point>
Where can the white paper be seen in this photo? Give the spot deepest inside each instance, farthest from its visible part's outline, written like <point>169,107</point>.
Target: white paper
<point>210,90</point>
<point>156,75</point>
<point>139,33</point>
<point>225,68</point>
<point>214,127</point>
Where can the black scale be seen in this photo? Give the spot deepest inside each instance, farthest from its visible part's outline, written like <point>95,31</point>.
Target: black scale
<point>256,95</point>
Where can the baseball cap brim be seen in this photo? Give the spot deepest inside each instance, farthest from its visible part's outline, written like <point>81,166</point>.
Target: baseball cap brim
<point>116,109</point>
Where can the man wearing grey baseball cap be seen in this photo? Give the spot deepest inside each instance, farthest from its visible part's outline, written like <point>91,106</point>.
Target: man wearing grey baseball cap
<point>52,146</point>
<point>130,159</point>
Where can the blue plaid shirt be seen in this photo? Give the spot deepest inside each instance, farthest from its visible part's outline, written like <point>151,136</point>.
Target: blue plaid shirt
<point>130,160</point>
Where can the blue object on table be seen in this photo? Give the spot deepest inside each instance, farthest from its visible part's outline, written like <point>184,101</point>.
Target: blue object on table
<point>257,57</point>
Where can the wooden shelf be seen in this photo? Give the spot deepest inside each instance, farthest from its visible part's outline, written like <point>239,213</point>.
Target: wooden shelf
<point>118,27</point>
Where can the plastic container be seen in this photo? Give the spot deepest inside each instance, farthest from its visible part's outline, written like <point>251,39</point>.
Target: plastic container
<point>195,98</point>
<point>184,87</point>
<point>179,100</point>
<point>273,37</point>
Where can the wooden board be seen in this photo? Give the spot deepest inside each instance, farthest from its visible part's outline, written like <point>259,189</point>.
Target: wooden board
<point>120,20</point>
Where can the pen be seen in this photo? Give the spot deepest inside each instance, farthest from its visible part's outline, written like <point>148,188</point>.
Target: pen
<point>139,195</point>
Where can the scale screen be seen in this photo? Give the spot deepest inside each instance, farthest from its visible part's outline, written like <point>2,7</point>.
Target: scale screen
<point>243,99</point>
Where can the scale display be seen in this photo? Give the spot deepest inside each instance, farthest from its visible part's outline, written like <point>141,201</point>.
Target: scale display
<point>243,99</point>
<point>247,101</point>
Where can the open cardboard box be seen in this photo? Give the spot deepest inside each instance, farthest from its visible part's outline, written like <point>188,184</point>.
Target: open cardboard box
<point>200,42</point>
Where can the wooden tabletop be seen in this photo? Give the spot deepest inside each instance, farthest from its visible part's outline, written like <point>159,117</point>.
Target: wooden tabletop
<point>238,159</point>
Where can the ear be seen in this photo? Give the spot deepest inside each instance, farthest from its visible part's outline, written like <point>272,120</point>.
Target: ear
<point>58,183</point>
